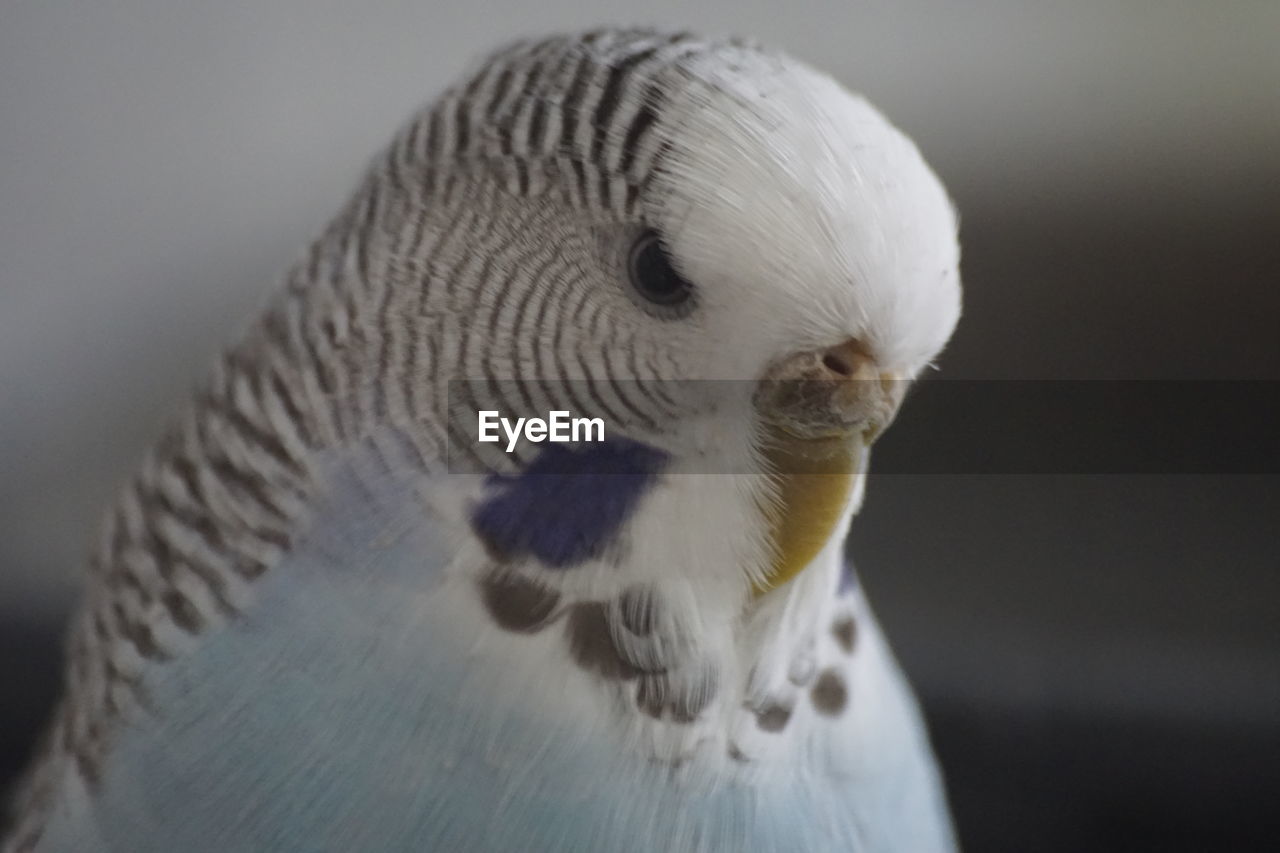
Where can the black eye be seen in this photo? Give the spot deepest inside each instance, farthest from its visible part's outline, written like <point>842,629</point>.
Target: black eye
<point>654,278</point>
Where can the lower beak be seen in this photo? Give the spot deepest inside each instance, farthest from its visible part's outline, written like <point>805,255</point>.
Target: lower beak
<point>821,411</point>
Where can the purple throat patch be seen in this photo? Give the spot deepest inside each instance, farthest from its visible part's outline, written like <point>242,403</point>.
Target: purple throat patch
<point>569,504</point>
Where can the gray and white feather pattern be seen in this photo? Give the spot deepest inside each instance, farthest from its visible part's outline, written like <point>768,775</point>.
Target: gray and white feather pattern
<point>294,635</point>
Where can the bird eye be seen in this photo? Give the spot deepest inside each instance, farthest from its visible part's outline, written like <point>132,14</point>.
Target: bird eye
<point>654,278</point>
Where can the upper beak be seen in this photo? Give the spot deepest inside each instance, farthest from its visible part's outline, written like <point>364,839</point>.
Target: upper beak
<point>835,393</point>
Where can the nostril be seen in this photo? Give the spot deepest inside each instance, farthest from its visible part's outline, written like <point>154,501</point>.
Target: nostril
<point>837,364</point>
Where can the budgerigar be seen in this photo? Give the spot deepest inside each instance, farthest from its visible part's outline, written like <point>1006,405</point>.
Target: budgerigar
<point>325,617</point>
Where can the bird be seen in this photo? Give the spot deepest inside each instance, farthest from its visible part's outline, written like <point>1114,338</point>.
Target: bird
<point>324,615</point>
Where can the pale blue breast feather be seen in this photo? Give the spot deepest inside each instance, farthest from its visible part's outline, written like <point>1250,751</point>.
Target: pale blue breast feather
<point>334,716</point>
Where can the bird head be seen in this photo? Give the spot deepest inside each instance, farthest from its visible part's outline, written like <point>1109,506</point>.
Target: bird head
<point>720,251</point>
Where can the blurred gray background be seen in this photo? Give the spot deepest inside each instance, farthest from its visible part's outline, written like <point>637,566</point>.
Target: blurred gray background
<point>1099,653</point>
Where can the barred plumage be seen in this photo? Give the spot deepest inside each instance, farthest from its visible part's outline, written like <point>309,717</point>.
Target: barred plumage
<point>218,500</point>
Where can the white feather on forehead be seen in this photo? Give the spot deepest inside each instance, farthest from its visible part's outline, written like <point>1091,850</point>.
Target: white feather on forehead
<point>790,198</point>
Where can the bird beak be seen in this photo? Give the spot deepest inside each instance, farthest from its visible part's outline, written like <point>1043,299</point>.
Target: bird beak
<point>820,410</point>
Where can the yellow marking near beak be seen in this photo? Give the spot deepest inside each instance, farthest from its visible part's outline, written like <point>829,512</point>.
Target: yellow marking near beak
<point>815,479</point>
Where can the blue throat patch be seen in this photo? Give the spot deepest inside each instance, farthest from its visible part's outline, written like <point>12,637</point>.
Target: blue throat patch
<point>568,505</point>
